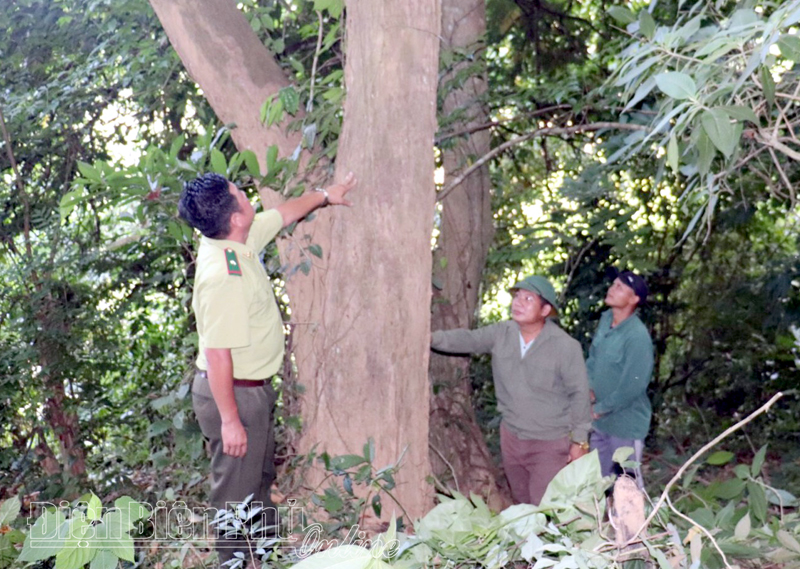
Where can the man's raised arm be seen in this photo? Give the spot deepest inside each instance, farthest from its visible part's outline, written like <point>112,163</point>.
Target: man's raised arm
<point>297,208</point>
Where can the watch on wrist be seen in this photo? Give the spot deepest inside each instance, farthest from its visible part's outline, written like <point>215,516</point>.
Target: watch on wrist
<point>324,192</point>
<point>584,445</point>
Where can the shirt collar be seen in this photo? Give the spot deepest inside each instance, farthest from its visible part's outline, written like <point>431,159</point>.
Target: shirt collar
<point>229,244</point>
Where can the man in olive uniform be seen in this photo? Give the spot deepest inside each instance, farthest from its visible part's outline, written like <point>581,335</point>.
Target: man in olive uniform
<point>541,386</point>
<point>240,334</point>
<point>620,367</point>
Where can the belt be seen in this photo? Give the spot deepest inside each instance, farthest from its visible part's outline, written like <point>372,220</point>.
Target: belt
<point>239,382</point>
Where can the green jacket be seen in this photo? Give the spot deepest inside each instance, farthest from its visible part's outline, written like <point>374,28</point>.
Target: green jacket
<point>620,367</point>
<point>542,396</point>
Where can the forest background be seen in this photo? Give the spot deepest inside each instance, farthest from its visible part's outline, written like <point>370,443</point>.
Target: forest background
<point>569,139</point>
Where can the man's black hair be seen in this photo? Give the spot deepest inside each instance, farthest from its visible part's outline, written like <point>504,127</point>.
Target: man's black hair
<point>207,204</point>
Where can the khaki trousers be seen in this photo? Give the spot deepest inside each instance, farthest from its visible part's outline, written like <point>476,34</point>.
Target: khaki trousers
<point>233,479</point>
<point>530,465</point>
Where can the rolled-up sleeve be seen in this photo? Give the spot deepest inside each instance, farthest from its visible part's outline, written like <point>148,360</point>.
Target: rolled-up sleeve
<point>266,225</point>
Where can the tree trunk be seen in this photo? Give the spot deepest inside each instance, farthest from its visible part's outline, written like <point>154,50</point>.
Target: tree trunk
<point>361,322</point>
<point>458,451</point>
<point>364,351</point>
<point>235,70</point>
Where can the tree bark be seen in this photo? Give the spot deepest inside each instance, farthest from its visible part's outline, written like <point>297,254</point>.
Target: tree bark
<point>360,318</point>
<point>235,70</point>
<point>458,451</point>
<point>364,350</point>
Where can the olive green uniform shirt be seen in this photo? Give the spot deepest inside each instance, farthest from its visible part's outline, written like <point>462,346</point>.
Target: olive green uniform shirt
<point>234,303</point>
<point>620,367</point>
<point>543,395</point>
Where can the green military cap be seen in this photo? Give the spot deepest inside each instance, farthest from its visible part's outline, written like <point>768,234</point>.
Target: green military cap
<point>540,286</point>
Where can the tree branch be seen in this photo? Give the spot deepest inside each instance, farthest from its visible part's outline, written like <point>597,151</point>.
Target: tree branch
<point>679,474</point>
<point>490,124</point>
<point>551,131</point>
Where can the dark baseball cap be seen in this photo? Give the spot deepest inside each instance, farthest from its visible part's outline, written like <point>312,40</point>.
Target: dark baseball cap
<point>636,283</point>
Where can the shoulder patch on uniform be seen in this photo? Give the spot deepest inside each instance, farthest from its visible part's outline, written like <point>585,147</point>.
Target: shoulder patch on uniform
<point>233,263</point>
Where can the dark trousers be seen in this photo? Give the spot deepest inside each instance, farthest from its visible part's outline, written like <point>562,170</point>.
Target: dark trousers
<point>606,445</point>
<point>233,479</point>
<point>530,465</point>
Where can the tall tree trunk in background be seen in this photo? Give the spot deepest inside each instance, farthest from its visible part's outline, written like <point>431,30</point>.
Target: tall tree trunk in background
<point>361,318</point>
<point>364,352</point>
<point>458,452</point>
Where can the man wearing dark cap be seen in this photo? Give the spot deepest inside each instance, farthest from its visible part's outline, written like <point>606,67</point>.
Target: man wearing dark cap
<point>620,367</point>
<point>541,386</point>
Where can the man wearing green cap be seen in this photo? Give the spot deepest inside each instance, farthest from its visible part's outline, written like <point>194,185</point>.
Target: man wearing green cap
<point>541,386</point>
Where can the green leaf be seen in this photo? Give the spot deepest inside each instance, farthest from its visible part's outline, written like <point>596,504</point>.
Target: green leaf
<point>94,509</point>
<point>112,535</point>
<point>77,550</point>
<point>89,172</point>
<point>673,157</point>
<point>334,7</point>
<point>218,163</point>
<point>720,457</point>
<point>740,551</point>
<point>719,129</point>
<point>647,25</point>
<point>621,454</point>
<point>780,497</point>
<point>131,509</point>
<point>251,161</point>
<point>758,461</point>
<point>334,94</point>
<point>757,500</point>
<point>621,15</point>
<point>767,84</point>
<point>9,510</point>
<point>290,99</point>
<point>706,152</point>
<point>104,560</point>
<point>275,112</point>
<point>272,158</point>
<point>676,85</point>
<point>728,490</point>
<point>663,563</point>
<point>740,113</point>
<point>176,146</point>
<point>346,461</point>
<point>315,250</point>
<point>265,108</point>
<point>46,537</point>
<point>741,471</point>
<point>703,516</point>
<point>369,450</point>
<point>790,47</point>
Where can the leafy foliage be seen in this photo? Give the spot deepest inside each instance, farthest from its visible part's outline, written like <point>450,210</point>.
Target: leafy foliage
<point>728,517</point>
<point>719,80</point>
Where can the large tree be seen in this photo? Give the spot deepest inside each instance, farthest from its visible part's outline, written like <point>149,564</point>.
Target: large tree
<point>458,452</point>
<point>361,323</point>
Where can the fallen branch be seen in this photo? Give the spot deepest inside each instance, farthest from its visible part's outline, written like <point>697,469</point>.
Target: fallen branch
<point>679,474</point>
